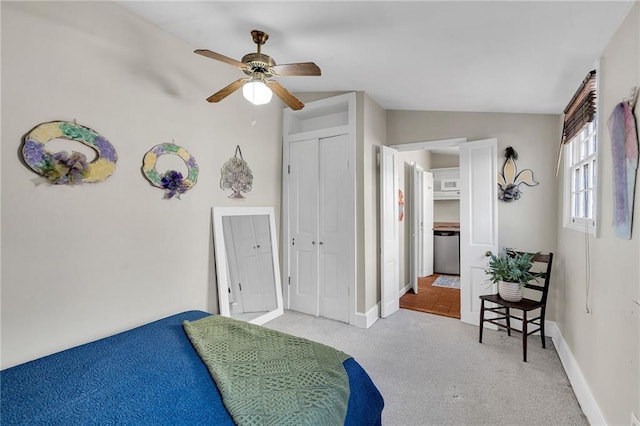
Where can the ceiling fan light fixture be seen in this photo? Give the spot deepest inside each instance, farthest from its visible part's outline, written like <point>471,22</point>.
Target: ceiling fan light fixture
<point>257,92</point>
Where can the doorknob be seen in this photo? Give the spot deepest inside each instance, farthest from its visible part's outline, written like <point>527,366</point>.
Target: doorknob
<point>313,242</point>
<point>320,243</point>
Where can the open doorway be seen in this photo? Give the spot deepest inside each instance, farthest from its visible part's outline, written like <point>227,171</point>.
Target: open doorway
<point>478,221</point>
<point>431,231</point>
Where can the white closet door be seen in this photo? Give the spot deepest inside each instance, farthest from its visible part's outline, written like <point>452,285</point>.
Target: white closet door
<point>333,274</point>
<point>303,224</point>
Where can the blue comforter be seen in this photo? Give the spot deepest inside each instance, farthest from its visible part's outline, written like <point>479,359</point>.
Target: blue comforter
<point>149,375</point>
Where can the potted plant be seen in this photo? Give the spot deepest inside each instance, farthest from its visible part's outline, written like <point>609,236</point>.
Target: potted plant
<point>511,270</point>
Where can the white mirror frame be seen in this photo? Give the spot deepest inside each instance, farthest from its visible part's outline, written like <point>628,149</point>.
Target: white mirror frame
<point>222,271</point>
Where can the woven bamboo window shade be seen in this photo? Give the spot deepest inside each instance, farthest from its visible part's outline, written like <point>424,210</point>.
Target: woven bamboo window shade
<point>580,112</point>
<point>581,109</point>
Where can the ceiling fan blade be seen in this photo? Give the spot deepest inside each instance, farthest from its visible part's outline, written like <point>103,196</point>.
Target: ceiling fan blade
<point>219,57</point>
<point>286,96</point>
<point>299,69</point>
<point>223,93</point>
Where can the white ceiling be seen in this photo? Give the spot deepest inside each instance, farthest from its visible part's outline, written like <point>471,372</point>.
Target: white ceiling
<point>495,56</point>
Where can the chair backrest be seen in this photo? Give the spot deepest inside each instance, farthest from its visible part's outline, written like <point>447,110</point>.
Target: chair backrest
<point>542,270</point>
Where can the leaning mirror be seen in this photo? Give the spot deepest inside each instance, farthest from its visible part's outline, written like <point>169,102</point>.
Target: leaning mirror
<point>247,267</point>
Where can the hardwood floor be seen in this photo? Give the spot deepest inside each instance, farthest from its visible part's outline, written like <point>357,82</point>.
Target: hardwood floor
<point>434,300</point>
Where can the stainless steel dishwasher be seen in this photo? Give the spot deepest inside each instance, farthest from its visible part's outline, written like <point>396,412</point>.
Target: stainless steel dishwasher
<point>446,252</point>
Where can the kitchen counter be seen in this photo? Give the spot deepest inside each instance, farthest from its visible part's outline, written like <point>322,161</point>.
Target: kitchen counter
<point>446,226</point>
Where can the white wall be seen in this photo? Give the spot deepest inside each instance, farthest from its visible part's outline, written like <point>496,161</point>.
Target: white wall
<point>439,161</point>
<point>446,211</point>
<point>605,342</point>
<point>85,262</point>
<point>374,120</point>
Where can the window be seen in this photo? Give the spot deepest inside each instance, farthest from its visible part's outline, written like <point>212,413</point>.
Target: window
<point>581,150</point>
<point>580,180</point>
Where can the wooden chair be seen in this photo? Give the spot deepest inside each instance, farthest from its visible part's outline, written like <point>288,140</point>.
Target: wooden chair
<point>503,310</point>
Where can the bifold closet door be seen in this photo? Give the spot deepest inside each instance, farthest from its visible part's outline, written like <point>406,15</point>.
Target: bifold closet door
<point>318,217</point>
<point>303,223</point>
<point>333,279</point>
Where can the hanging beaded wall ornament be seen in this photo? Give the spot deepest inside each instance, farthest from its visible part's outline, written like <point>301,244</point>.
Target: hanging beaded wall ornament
<point>236,175</point>
<point>171,181</point>
<point>62,168</point>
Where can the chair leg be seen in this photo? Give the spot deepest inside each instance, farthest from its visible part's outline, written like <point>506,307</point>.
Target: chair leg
<point>508,315</point>
<point>524,335</point>
<point>544,344</point>
<point>481,320</point>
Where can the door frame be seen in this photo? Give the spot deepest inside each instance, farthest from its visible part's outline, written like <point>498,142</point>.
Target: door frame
<point>427,234</point>
<point>442,143</point>
<point>416,217</point>
<point>317,109</point>
<point>413,146</point>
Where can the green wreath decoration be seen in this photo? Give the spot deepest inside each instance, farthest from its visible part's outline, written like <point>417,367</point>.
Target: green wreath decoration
<point>61,168</point>
<point>171,181</point>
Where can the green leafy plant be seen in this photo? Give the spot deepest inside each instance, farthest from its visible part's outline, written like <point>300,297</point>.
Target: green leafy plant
<point>511,266</point>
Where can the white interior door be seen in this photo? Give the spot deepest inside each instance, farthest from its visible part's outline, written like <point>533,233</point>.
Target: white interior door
<point>427,225</point>
<point>389,264</point>
<point>479,222</point>
<point>333,243</point>
<point>415,198</point>
<point>303,225</point>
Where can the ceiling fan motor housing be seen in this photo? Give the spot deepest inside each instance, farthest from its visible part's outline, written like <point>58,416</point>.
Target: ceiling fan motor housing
<point>258,62</point>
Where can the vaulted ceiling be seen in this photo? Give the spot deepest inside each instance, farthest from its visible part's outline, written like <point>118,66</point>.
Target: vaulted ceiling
<point>494,56</point>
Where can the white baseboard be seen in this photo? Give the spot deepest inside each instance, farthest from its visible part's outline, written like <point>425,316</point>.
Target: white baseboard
<point>578,382</point>
<point>366,320</point>
<point>405,289</point>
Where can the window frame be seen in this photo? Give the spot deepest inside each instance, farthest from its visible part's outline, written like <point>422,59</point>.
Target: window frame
<point>575,163</point>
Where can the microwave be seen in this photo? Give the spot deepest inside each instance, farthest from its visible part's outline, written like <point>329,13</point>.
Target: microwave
<point>449,185</point>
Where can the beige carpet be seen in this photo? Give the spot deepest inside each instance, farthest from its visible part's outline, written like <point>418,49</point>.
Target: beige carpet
<point>431,370</point>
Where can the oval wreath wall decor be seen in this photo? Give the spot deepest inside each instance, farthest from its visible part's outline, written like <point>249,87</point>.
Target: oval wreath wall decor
<point>63,168</point>
<point>171,181</point>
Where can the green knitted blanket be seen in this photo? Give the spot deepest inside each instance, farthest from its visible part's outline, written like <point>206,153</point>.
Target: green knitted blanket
<point>267,377</point>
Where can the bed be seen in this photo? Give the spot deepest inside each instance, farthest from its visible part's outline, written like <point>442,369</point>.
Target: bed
<point>148,375</point>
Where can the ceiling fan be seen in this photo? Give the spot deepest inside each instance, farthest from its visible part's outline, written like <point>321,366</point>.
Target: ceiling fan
<point>260,68</point>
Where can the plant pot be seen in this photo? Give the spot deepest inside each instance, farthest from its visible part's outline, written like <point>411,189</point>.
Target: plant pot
<point>511,292</point>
